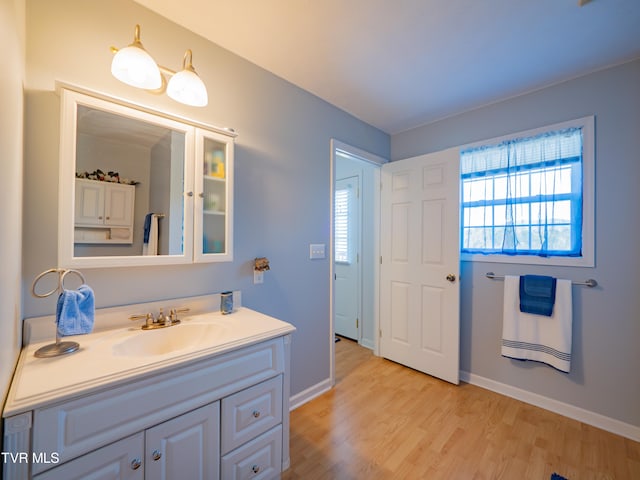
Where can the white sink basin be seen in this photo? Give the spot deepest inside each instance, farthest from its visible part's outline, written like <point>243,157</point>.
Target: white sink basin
<point>169,339</point>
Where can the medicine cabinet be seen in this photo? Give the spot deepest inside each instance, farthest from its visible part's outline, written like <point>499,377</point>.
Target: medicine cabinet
<point>169,180</point>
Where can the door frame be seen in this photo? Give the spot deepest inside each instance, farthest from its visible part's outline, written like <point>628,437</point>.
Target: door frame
<point>377,161</point>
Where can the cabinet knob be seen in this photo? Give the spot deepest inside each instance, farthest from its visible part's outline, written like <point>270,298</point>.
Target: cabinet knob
<point>157,455</point>
<point>256,413</point>
<point>135,464</point>
<point>108,218</point>
<point>255,468</point>
<point>100,218</point>
<point>189,194</point>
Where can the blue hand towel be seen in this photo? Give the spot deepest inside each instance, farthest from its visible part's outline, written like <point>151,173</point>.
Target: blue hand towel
<point>537,294</point>
<point>75,311</point>
<point>147,227</point>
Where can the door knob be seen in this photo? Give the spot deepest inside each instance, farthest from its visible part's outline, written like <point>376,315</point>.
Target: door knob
<point>451,277</point>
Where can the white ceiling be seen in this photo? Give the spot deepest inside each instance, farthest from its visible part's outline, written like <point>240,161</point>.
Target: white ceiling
<point>397,64</point>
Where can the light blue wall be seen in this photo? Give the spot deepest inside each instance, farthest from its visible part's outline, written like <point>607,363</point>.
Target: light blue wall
<point>604,377</point>
<point>282,168</point>
<point>11,81</point>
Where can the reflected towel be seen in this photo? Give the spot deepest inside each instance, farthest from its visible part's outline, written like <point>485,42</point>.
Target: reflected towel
<point>526,336</point>
<point>537,294</point>
<point>150,245</point>
<point>75,311</point>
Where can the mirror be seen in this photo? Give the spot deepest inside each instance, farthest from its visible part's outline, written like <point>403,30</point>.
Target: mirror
<point>149,160</point>
<point>123,174</point>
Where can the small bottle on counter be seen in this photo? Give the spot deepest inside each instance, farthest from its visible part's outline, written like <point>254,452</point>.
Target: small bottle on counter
<point>226,303</point>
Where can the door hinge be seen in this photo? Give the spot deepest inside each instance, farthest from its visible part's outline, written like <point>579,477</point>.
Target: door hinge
<point>380,259</point>
<point>380,333</point>
<point>357,322</point>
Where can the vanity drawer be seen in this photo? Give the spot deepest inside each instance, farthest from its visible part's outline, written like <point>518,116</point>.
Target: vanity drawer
<point>259,459</point>
<point>249,413</point>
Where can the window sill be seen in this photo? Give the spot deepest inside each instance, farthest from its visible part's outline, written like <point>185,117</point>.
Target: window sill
<point>584,261</point>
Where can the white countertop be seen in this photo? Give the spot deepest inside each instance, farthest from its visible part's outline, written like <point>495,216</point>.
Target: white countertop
<point>100,363</point>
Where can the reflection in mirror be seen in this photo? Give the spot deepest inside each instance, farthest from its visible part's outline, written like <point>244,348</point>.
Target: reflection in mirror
<point>129,186</point>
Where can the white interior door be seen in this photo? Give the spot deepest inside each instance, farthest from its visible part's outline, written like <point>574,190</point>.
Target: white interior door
<point>419,293</point>
<point>347,257</point>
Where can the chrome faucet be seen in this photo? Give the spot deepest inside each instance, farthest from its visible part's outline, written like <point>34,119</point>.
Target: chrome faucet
<point>161,320</point>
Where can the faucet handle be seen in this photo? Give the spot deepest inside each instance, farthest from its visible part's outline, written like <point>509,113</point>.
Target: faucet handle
<point>173,314</point>
<point>146,316</point>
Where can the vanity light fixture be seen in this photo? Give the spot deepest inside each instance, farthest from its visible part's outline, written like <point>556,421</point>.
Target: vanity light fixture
<point>134,66</point>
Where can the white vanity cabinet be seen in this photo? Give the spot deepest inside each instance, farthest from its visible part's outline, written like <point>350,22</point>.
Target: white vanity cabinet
<point>103,212</point>
<point>222,417</point>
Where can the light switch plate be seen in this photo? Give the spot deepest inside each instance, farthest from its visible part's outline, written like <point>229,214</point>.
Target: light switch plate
<point>316,251</point>
<point>258,277</point>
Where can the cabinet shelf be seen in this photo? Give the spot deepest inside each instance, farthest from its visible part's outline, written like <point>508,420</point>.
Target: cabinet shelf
<point>209,178</point>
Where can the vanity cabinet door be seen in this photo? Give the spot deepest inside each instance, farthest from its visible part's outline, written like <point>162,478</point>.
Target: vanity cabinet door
<point>122,460</point>
<point>186,447</point>
<point>213,209</point>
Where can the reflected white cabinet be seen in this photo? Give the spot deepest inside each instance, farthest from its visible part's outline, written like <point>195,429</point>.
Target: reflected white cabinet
<point>103,212</point>
<point>213,210</point>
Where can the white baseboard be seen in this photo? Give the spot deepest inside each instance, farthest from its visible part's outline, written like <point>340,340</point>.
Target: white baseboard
<point>591,418</point>
<point>309,394</point>
<point>368,343</point>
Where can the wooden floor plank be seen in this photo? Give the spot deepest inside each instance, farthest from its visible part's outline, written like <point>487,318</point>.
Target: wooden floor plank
<point>385,421</point>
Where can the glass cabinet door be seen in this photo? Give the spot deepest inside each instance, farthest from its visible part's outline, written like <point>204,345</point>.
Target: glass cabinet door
<point>213,225</point>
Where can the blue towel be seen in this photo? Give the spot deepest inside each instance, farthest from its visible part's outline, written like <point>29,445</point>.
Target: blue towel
<point>147,227</point>
<point>75,311</point>
<point>537,294</point>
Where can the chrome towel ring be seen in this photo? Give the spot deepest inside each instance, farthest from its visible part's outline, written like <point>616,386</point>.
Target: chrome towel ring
<point>59,347</point>
<point>62,273</point>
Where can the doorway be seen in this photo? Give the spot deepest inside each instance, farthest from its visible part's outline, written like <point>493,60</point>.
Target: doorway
<point>355,249</point>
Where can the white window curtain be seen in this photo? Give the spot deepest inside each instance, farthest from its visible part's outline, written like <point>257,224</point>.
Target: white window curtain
<point>524,196</point>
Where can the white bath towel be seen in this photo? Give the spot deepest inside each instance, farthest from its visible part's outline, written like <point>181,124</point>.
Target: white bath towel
<point>151,247</point>
<point>526,336</point>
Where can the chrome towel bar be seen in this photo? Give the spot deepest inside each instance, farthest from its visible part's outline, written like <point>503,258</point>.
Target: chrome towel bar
<point>589,282</point>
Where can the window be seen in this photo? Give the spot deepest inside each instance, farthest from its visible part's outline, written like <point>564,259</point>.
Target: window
<point>528,198</point>
<point>342,241</point>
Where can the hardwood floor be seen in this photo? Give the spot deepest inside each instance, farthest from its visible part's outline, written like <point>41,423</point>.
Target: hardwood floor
<point>386,421</point>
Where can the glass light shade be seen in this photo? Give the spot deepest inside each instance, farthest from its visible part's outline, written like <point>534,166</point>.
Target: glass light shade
<point>187,87</point>
<point>134,66</point>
